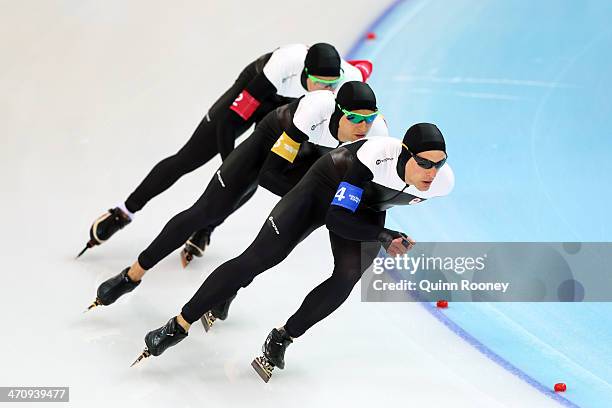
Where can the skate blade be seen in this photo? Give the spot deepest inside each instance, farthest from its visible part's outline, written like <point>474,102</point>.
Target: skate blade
<point>262,369</point>
<point>87,246</point>
<point>141,357</point>
<point>82,252</point>
<point>96,303</point>
<point>207,321</point>
<point>185,258</point>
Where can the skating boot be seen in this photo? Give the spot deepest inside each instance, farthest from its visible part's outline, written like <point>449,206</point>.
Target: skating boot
<point>112,289</point>
<point>195,246</point>
<point>273,353</point>
<point>105,226</point>
<point>157,341</point>
<point>217,312</point>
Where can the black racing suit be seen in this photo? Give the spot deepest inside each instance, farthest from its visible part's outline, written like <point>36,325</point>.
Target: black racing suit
<point>355,239</point>
<point>236,180</point>
<point>216,133</point>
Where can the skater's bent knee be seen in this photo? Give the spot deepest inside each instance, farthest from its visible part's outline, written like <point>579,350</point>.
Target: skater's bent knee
<point>347,277</point>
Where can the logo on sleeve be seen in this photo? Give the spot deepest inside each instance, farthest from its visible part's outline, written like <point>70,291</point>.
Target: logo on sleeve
<point>380,161</point>
<point>313,127</point>
<point>271,219</point>
<point>220,179</point>
<point>288,77</point>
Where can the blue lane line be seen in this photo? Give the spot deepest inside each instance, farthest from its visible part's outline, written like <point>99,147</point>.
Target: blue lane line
<point>458,330</point>
<point>490,354</point>
<point>372,27</point>
<point>440,316</point>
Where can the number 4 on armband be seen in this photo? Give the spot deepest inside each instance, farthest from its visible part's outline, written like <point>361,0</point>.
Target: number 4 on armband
<point>340,194</point>
<point>351,193</point>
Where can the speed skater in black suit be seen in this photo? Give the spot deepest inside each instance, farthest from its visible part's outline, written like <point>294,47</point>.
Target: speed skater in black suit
<point>280,151</point>
<point>349,191</point>
<point>272,80</point>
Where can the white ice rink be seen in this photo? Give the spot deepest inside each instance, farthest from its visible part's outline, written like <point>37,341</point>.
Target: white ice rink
<point>92,95</point>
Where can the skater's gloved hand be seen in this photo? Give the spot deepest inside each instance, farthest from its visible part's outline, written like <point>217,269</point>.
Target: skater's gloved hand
<point>395,243</point>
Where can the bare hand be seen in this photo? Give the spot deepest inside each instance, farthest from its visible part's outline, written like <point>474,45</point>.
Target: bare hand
<point>399,246</point>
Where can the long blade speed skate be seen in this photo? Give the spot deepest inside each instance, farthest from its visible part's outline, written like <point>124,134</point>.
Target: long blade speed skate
<point>219,312</point>
<point>95,303</point>
<point>195,246</point>
<point>141,357</point>
<point>208,320</point>
<point>113,288</point>
<point>263,367</point>
<point>158,340</point>
<point>273,353</point>
<point>105,226</point>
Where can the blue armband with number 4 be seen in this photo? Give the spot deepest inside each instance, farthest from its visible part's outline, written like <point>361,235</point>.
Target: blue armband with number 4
<point>347,196</point>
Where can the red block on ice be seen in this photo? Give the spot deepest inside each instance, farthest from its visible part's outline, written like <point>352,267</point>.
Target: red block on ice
<point>442,304</point>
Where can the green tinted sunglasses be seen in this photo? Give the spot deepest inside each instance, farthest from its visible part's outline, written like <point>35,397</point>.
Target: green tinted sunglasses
<point>327,82</point>
<point>357,118</point>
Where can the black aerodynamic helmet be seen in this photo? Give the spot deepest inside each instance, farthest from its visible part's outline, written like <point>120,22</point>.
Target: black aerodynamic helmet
<point>322,59</point>
<point>355,95</point>
<point>419,138</point>
<point>422,137</point>
<point>352,95</point>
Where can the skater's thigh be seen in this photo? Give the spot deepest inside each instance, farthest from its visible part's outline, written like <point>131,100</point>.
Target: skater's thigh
<point>299,212</point>
<point>201,145</point>
<point>236,177</point>
<point>245,161</point>
<point>354,257</point>
<point>291,221</point>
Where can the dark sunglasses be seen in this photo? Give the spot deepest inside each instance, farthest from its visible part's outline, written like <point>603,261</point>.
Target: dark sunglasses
<point>426,163</point>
